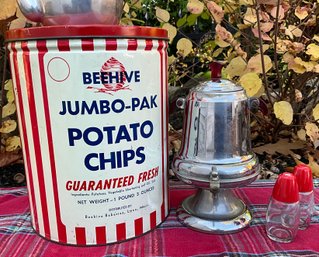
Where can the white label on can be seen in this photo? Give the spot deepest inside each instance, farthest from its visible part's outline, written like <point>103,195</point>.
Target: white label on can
<point>104,108</point>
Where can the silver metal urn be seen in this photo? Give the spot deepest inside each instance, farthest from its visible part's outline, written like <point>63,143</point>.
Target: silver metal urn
<point>216,155</point>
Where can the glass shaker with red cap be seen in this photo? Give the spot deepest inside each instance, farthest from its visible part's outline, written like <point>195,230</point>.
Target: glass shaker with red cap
<point>303,176</point>
<point>283,213</point>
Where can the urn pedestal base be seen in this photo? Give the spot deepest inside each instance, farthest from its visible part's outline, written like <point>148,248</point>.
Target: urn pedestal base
<point>216,212</point>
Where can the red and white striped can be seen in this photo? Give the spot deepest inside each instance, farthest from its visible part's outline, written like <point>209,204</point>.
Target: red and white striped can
<point>92,110</point>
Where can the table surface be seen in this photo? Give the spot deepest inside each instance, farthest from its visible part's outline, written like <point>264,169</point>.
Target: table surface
<point>171,238</point>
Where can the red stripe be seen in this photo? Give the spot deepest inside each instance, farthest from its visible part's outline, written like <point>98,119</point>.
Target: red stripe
<point>164,142</point>
<point>138,225</point>
<point>63,45</point>
<point>87,44</point>
<point>25,141</point>
<point>80,236</point>
<point>110,44</point>
<point>160,47</point>
<point>166,123</point>
<point>41,45</point>
<point>36,137</point>
<point>121,232</point>
<point>132,45</point>
<point>149,44</point>
<point>153,219</point>
<point>100,235</point>
<point>163,210</point>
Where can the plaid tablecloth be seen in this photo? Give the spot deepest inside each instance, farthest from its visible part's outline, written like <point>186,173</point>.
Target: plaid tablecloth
<point>171,238</point>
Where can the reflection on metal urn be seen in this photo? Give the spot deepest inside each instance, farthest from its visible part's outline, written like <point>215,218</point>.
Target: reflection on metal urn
<point>216,155</point>
<point>72,12</point>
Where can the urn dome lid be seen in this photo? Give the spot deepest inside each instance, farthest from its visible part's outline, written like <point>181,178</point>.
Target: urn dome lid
<point>216,84</point>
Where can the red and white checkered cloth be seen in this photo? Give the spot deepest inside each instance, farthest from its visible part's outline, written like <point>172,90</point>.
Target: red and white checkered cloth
<point>17,238</point>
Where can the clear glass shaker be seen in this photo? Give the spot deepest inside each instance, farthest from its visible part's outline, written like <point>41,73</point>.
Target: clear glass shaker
<point>283,213</point>
<point>303,175</point>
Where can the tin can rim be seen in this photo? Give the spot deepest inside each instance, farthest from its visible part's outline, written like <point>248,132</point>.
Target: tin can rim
<point>82,31</point>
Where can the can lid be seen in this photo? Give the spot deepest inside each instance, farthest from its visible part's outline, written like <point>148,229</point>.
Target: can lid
<point>81,31</point>
<point>303,175</point>
<point>286,188</point>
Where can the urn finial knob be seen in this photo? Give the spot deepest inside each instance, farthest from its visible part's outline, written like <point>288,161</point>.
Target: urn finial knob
<point>216,70</point>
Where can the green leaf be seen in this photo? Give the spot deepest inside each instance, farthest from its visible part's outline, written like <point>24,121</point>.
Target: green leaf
<point>191,19</point>
<point>205,15</point>
<point>204,75</point>
<point>210,44</point>
<point>181,21</point>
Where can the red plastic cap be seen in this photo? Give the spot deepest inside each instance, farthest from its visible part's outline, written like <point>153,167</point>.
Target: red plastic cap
<point>303,175</point>
<point>286,188</point>
<point>215,70</point>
